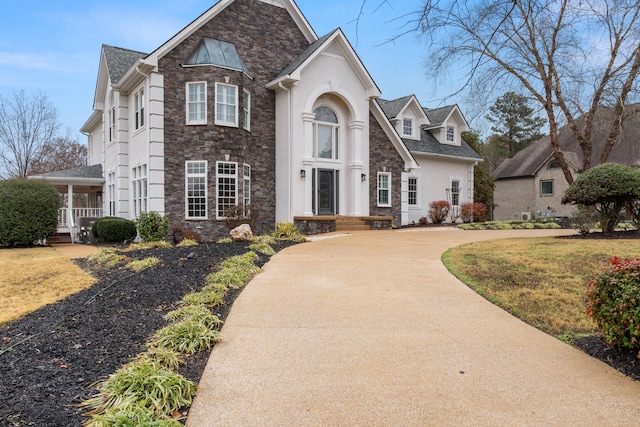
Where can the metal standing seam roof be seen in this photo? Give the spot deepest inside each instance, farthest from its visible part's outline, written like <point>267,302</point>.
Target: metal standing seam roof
<point>218,53</point>
<point>120,61</point>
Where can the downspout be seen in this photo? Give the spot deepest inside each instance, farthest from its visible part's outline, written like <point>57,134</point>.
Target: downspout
<point>289,138</point>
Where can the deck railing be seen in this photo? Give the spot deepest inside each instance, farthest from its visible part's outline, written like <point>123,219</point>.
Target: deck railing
<point>77,213</point>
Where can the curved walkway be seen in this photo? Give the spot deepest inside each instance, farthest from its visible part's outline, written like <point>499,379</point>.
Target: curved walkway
<point>371,330</point>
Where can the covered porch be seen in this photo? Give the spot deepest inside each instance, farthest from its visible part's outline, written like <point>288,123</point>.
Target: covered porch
<point>81,201</point>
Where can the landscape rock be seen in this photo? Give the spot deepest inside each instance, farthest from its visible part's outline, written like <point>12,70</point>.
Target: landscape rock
<point>242,233</point>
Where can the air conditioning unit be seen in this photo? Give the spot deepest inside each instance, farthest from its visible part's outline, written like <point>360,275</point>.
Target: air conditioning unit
<point>526,216</point>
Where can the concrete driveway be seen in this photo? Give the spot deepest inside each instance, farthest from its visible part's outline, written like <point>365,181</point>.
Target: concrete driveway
<point>371,330</point>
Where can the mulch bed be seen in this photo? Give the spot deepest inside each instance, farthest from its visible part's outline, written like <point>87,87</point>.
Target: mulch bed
<point>57,352</point>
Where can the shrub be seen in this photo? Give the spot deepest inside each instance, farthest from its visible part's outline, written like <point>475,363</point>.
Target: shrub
<point>466,212</point>
<point>438,211</point>
<point>186,337</point>
<point>152,226</point>
<point>28,211</point>
<point>143,264</point>
<point>237,215</point>
<point>613,301</point>
<point>288,231</point>
<point>179,233</point>
<point>608,187</point>
<point>107,257</point>
<point>114,229</point>
<point>473,212</point>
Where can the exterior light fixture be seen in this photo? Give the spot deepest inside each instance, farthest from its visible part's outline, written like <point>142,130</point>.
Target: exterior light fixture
<point>363,177</point>
<point>303,173</point>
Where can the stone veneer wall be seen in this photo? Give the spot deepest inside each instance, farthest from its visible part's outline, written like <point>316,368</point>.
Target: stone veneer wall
<point>384,155</point>
<point>267,40</point>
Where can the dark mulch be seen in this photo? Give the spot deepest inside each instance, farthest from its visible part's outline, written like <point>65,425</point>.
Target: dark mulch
<point>57,352</point>
<point>630,234</point>
<point>624,360</point>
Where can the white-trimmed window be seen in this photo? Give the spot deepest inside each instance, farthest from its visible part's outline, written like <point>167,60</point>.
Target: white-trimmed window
<point>546,188</point>
<point>226,105</point>
<point>111,193</point>
<point>413,191</point>
<point>384,189</point>
<point>138,106</point>
<point>455,192</point>
<point>226,187</point>
<point>196,103</point>
<point>139,188</point>
<point>407,127</point>
<point>196,189</point>
<point>246,187</point>
<point>112,124</point>
<point>451,134</point>
<point>325,134</point>
<point>246,110</point>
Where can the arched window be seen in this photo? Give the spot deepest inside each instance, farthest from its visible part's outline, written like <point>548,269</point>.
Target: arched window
<point>325,134</point>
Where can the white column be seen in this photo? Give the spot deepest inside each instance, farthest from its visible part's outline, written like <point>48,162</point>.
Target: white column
<point>355,168</point>
<point>307,162</point>
<point>72,223</point>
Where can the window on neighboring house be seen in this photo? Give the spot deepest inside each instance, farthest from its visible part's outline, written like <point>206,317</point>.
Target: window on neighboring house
<point>384,189</point>
<point>451,134</point>
<point>112,124</point>
<point>111,190</point>
<point>139,187</point>
<point>226,105</point>
<point>197,103</point>
<point>407,127</point>
<point>196,189</point>
<point>413,191</point>
<point>455,193</point>
<point>246,188</point>
<point>553,164</point>
<point>226,187</point>
<point>138,104</point>
<point>325,134</point>
<point>246,110</point>
<point>546,188</point>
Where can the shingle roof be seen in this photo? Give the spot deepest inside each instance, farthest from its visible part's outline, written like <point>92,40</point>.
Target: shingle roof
<point>626,151</point>
<point>119,61</point>
<point>94,171</point>
<point>428,144</point>
<point>437,116</point>
<point>393,108</point>
<point>305,55</point>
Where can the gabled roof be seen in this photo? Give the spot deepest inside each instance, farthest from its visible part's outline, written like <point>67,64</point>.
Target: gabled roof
<point>393,108</point>
<point>527,162</point>
<point>119,61</point>
<point>306,54</point>
<point>428,144</point>
<point>438,116</point>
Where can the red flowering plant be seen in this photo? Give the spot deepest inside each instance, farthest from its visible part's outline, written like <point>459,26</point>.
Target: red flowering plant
<point>613,301</point>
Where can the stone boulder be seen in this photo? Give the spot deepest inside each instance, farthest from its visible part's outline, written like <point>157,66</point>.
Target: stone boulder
<point>242,233</point>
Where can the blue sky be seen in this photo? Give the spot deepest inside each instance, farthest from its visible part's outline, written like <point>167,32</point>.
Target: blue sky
<point>53,46</point>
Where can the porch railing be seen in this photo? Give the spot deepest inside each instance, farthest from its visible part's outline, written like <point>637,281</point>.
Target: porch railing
<point>77,213</point>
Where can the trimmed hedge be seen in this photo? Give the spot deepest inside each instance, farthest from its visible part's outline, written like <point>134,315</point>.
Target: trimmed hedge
<point>28,211</point>
<point>152,226</point>
<point>113,229</point>
<point>613,301</point>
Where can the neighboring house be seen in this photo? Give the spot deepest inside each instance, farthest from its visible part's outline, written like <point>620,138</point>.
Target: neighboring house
<point>531,183</point>
<point>247,107</point>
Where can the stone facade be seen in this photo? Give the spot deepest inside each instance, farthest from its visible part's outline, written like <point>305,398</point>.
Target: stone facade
<point>267,40</point>
<point>383,157</point>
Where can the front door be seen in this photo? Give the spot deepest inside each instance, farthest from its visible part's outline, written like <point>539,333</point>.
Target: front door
<point>326,192</point>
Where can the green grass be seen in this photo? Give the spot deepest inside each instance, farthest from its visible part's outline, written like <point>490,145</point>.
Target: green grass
<point>542,281</point>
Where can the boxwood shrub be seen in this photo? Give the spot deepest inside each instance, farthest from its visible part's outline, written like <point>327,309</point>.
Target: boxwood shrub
<point>28,211</point>
<point>613,301</point>
<point>152,226</point>
<point>112,229</point>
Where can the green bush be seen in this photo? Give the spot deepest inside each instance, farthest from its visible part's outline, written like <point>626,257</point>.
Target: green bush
<point>287,231</point>
<point>613,301</point>
<point>152,226</point>
<point>114,229</point>
<point>28,211</point>
<point>438,211</point>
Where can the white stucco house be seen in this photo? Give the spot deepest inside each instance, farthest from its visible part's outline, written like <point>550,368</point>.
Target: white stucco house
<point>247,106</point>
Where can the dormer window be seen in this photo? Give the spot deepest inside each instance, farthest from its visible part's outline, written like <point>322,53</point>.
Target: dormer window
<point>407,127</point>
<point>451,134</point>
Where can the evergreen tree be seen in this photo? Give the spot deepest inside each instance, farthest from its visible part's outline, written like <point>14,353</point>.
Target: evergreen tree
<point>482,173</point>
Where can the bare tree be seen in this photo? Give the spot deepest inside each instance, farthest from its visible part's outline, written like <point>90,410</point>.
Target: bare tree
<point>572,56</point>
<point>27,123</point>
<point>59,154</point>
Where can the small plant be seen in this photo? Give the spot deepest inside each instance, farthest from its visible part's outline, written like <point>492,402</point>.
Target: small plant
<point>438,211</point>
<point>613,301</point>
<point>186,337</point>
<point>142,264</point>
<point>152,226</point>
<point>207,297</point>
<point>161,357</point>
<point>225,240</point>
<point>195,313</point>
<point>288,231</point>
<point>107,257</point>
<point>159,244</point>
<point>466,212</point>
<point>263,248</point>
<point>180,233</point>
<point>131,417</point>
<point>423,220</point>
<point>267,239</point>
<point>187,242</point>
<point>585,219</point>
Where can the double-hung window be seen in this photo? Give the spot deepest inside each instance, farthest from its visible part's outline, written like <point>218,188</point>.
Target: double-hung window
<point>413,191</point>
<point>407,127</point>
<point>139,187</point>
<point>455,193</point>
<point>246,188</point>
<point>111,193</point>
<point>112,124</point>
<point>226,187</point>
<point>138,104</point>
<point>226,105</point>
<point>196,189</point>
<point>384,189</point>
<point>451,134</point>
<point>246,110</point>
<point>197,103</point>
